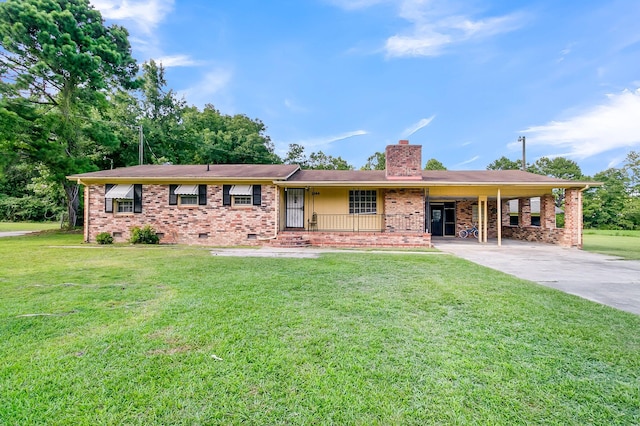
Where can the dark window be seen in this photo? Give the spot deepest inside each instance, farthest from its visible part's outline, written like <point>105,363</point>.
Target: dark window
<point>108,202</point>
<point>257,195</point>
<point>226,198</point>
<point>202,195</point>
<point>137,198</point>
<point>173,198</point>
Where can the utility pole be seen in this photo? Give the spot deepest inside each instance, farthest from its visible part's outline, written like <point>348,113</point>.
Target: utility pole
<point>141,147</point>
<point>524,157</point>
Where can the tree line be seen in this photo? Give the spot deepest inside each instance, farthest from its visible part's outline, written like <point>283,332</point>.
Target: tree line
<point>73,99</point>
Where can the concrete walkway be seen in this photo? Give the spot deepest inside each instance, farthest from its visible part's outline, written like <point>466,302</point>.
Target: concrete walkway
<point>14,233</point>
<point>600,278</point>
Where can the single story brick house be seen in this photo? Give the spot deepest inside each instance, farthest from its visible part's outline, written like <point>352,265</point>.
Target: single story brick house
<point>252,204</point>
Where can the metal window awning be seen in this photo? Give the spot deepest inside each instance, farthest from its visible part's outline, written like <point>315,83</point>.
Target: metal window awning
<point>122,192</point>
<point>241,190</point>
<point>186,190</point>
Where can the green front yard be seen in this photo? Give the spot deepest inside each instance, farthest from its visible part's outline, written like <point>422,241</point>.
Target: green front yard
<point>172,335</point>
<point>624,244</point>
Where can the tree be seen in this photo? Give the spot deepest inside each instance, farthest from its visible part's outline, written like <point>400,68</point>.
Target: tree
<point>376,162</point>
<point>211,137</point>
<point>321,161</point>
<point>56,62</point>
<point>603,206</point>
<point>503,163</point>
<point>434,164</point>
<point>161,113</point>
<point>316,160</point>
<point>632,168</point>
<point>296,155</point>
<point>558,167</point>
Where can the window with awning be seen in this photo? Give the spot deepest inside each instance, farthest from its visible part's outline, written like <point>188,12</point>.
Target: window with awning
<point>186,190</point>
<point>241,190</point>
<point>187,195</point>
<point>123,198</point>
<point>241,195</point>
<point>121,192</point>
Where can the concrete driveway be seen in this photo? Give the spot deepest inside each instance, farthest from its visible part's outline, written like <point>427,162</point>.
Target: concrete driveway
<point>600,278</point>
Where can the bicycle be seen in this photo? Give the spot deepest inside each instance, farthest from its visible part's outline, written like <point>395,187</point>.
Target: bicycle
<point>467,232</point>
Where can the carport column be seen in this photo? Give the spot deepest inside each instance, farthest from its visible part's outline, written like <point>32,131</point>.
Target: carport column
<point>482,219</point>
<point>573,217</point>
<point>499,217</point>
<point>547,212</point>
<point>524,212</point>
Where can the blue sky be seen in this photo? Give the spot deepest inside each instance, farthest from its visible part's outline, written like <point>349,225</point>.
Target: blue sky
<point>463,78</point>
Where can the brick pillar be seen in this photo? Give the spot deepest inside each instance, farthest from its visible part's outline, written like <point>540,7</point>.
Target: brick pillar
<point>506,217</point>
<point>547,212</point>
<point>572,218</point>
<point>524,212</point>
<point>403,161</point>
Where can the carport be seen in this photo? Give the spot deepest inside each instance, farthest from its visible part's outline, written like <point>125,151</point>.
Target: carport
<point>484,203</point>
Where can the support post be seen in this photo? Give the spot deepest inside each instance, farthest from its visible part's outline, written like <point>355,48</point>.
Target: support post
<point>480,221</point>
<point>499,218</point>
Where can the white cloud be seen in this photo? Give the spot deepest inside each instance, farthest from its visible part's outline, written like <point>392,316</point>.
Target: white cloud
<point>318,143</point>
<point>469,161</point>
<point>429,37</point>
<point>328,140</point>
<point>145,14</point>
<point>417,126</point>
<point>212,83</point>
<point>433,26</point>
<point>610,125</point>
<point>177,61</point>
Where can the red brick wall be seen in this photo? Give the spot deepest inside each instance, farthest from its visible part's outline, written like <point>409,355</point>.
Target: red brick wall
<point>404,209</point>
<point>369,239</point>
<point>403,161</point>
<point>212,224</point>
<point>464,216</point>
<point>534,234</point>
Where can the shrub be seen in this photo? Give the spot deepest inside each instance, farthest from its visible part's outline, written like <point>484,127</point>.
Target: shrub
<point>104,238</point>
<point>145,235</point>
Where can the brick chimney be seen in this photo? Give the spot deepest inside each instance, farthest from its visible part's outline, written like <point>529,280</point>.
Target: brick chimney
<point>404,161</point>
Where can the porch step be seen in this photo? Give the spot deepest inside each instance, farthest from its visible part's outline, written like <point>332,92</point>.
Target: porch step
<point>290,241</point>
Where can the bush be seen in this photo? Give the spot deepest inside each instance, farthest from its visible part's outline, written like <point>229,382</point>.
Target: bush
<point>104,238</point>
<point>146,235</point>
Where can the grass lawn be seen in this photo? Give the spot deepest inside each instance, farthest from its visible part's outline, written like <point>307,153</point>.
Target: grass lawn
<point>172,335</point>
<point>28,226</point>
<point>625,244</point>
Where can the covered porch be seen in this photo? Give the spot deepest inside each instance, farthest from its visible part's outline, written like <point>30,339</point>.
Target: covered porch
<point>348,216</point>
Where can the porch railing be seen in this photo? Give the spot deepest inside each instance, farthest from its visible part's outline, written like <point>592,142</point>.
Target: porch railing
<point>366,223</point>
